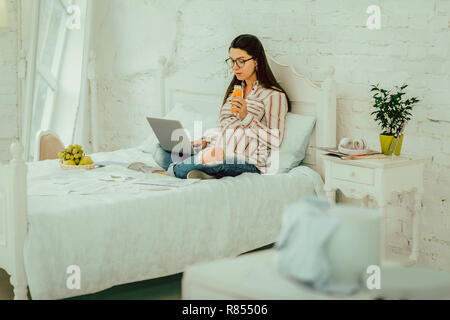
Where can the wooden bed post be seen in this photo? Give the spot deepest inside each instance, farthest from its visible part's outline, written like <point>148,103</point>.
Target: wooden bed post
<point>18,221</point>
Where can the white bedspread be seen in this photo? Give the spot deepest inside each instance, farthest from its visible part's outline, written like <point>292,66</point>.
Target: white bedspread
<point>120,232</point>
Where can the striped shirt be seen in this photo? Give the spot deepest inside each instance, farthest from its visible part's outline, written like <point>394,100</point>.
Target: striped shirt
<point>259,134</point>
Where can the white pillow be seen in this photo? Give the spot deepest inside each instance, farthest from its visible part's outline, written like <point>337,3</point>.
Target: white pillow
<point>187,115</point>
<point>295,140</point>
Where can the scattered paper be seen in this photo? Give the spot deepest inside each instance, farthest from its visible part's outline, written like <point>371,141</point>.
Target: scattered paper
<point>109,179</point>
<point>334,152</point>
<point>166,182</point>
<point>111,163</point>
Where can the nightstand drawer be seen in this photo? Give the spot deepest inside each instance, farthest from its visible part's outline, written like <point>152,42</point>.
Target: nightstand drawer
<point>352,173</point>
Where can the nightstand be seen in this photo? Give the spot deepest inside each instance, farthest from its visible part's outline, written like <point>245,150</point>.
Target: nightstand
<point>379,180</point>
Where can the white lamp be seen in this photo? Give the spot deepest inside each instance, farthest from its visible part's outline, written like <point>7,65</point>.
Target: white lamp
<point>4,22</point>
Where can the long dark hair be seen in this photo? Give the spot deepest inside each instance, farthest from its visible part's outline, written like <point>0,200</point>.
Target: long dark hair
<point>264,75</point>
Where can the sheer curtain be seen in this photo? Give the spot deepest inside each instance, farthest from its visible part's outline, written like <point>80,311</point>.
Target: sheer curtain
<point>59,73</point>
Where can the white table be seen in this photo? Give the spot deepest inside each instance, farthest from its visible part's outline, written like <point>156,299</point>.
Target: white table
<point>254,276</point>
<point>379,180</point>
<point>247,277</point>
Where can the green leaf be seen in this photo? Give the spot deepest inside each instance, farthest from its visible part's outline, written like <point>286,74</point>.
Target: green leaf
<point>391,109</point>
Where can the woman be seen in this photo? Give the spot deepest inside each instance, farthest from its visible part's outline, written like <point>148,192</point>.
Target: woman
<point>245,138</point>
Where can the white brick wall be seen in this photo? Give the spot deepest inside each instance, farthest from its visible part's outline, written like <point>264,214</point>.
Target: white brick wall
<point>8,83</point>
<point>413,45</point>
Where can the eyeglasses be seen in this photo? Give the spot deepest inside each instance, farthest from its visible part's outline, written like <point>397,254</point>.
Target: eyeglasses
<point>240,62</point>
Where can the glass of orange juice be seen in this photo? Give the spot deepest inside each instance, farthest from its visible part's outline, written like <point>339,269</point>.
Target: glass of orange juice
<point>236,92</point>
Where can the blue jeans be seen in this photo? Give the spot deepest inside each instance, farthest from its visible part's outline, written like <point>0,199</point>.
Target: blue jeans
<point>181,168</point>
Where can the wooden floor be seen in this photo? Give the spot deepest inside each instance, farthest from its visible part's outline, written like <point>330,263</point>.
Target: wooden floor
<point>6,289</point>
<point>166,288</point>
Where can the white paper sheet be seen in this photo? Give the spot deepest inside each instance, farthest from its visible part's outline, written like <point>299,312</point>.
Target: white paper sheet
<point>109,179</point>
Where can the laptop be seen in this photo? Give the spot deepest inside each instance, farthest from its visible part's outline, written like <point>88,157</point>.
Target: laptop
<point>163,129</point>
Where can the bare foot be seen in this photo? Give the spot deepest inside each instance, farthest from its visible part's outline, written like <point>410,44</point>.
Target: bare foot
<point>163,172</point>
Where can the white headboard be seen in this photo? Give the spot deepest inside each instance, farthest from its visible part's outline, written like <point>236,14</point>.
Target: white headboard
<point>310,99</point>
<point>306,98</point>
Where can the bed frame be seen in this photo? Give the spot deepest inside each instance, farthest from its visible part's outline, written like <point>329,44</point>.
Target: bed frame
<point>14,219</point>
<point>306,97</point>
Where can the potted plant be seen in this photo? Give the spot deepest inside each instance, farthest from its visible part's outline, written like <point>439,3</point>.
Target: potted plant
<point>392,112</point>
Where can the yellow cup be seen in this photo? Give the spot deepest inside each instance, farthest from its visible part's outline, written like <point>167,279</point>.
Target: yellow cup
<point>386,143</point>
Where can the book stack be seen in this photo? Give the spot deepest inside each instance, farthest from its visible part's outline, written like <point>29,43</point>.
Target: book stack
<point>334,152</point>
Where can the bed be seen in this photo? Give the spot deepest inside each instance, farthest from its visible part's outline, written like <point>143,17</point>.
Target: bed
<point>123,234</point>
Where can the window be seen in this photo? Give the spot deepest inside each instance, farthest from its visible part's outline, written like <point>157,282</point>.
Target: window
<point>56,86</point>
<point>52,34</point>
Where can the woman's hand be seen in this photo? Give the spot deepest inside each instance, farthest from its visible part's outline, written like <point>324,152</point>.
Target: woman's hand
<point>213,154</point>
<point>239,104</point>
<point>201,144</point>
